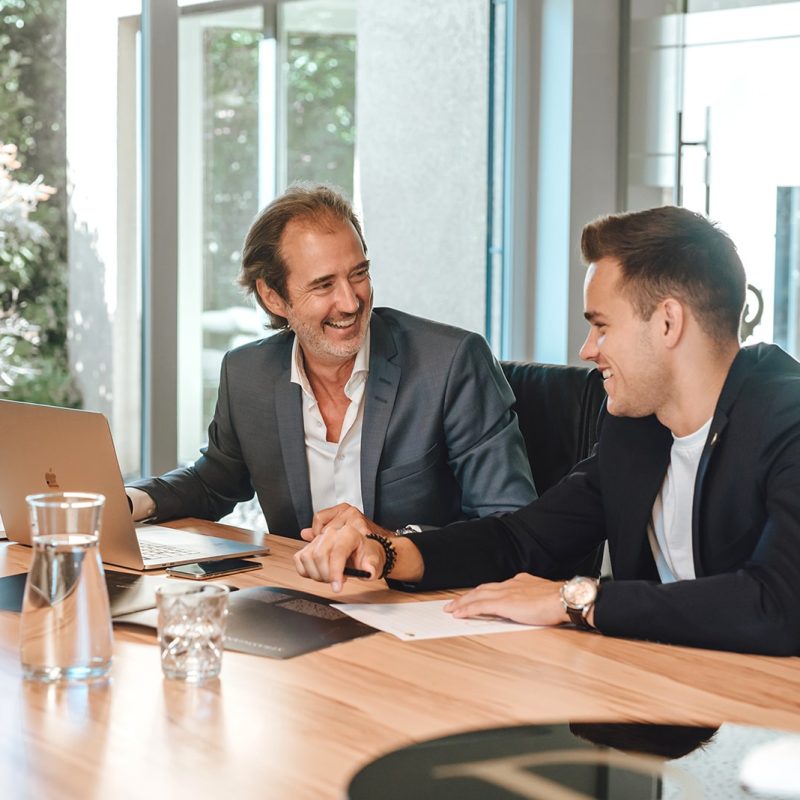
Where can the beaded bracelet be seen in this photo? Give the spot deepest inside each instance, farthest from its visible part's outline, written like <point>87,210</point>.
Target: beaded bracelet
<point>388,549</point>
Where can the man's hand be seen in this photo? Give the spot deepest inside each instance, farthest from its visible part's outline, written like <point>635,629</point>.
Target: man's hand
<point>337,517</point>
<point>141,504</point>
<point>524,598</point>
<point>326,556</point>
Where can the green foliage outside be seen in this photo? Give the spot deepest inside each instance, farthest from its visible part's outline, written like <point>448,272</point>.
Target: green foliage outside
<point>321,125</point>
<point>230,162</point>
<point>320,137</point>
<point>33,235</point>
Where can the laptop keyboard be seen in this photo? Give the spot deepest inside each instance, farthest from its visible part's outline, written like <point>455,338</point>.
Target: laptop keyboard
<point>158,552</point>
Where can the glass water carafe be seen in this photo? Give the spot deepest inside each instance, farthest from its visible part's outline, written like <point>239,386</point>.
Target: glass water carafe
<point>65,631</point>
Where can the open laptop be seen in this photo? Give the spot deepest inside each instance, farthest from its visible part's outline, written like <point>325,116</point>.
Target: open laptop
<point>48,449</point>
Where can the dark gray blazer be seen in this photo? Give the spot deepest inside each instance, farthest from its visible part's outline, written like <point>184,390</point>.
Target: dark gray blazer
<point>439,440</point>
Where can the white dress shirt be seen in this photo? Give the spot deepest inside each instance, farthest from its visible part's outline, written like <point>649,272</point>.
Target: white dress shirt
<point>670,529</point>
<point>334,468</point>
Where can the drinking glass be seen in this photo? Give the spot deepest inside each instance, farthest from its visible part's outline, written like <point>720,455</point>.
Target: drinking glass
<point>191,627</point>
<point>65,628</point>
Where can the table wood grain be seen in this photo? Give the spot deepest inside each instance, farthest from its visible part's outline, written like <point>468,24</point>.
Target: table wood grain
<point>300,728</point>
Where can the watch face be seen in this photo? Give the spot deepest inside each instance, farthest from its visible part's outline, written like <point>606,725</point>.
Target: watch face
<point>580,592</point>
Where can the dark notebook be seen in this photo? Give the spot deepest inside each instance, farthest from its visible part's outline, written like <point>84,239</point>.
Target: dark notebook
<point>127,592</point>
<point>278,623</point>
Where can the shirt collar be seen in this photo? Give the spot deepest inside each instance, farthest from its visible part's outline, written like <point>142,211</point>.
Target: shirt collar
<point>360,367</point>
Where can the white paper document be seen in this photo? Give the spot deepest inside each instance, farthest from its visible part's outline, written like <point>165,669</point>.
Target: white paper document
<point>424,620</point>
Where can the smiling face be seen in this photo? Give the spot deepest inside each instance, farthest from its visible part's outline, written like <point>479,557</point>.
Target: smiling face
<point>328,287</point>
<point>624,347</point>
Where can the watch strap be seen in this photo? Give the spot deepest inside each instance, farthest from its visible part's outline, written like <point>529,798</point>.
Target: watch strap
<point>577,617</point>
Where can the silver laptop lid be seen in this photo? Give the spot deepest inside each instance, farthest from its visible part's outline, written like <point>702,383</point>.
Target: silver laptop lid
<point>49,449</point>
<point>44,448</point>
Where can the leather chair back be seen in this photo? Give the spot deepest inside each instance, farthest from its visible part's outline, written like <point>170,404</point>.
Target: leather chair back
<point>557,407</point>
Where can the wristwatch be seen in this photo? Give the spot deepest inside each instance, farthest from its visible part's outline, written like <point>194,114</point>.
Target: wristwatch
<point>578,596</point>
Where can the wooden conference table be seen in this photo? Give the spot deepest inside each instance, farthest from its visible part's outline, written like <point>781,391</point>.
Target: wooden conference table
<point>300,728</point>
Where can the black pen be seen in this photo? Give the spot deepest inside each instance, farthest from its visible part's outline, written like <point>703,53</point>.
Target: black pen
<point>356,573</point>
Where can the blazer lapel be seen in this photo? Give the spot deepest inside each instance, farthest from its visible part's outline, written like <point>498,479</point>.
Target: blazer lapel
<point>643,452</point>
<point>379,397</point>
<point>737,375</point>
<point>717,427</point>
<point>289,413</point>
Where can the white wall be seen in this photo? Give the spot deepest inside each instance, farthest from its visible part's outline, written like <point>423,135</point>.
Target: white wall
<point>422,154</point>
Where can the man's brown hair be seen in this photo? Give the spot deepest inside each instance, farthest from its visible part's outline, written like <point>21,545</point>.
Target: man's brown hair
<point>673,252</point>
<point>318,205</point>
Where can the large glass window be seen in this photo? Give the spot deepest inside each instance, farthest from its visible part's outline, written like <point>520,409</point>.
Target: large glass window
<point>33,206</point>
<point>69,282</point>
<point>390,102</point>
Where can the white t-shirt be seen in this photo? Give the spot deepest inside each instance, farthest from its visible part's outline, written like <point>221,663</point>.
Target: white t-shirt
<point>334,468</point>
<point>670,528</point>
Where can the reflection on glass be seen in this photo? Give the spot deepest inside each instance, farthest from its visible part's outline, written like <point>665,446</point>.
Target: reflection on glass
<point>666,741</point>
<point>606,761</point>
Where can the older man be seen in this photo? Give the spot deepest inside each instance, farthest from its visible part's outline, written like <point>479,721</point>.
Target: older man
<point>694,484</point>
<point>380,413</point>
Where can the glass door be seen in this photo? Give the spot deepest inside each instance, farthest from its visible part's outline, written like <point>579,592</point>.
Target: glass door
<point>712,126</point>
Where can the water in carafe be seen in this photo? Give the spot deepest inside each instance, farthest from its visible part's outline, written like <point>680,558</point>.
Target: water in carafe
<point>66,623</point>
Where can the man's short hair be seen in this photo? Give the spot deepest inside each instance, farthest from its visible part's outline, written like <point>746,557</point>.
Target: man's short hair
<point>318,205</point>
<point>673,252</point>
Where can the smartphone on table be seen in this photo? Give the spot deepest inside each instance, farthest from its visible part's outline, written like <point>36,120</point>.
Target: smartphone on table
<point>213,569</point>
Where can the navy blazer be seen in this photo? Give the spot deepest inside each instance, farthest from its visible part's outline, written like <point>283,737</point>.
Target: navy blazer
<point>745,523</point>
<point>439,441</point>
